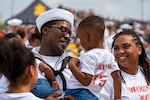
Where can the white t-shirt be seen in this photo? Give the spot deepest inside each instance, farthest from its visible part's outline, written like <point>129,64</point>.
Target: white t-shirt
<point>18,96</point>
<point>3,84</point>
<point>55,62</point>
<point>99,63</point>
<point>134,87</point>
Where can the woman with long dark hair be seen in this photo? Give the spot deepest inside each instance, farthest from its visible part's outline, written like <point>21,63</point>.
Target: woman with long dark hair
<point>130,54</point>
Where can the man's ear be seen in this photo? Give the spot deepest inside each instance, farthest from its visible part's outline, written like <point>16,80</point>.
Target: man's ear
<point>45,30</point>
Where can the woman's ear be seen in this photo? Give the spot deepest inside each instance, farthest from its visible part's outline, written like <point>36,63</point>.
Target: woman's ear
<point>139,49</point>
<point>45,30</point>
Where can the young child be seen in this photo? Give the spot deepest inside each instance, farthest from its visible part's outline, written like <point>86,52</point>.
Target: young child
<point>95,65</point>
<point>34,41</point>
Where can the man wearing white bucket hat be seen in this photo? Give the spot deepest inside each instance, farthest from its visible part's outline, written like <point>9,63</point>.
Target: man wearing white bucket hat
<point>55,27</point>
<point>14,25</point>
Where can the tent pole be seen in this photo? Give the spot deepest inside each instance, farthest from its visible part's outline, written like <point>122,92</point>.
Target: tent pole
<point>12,7</point>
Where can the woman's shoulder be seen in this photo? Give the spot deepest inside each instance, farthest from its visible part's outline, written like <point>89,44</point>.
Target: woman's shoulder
<point>19,96</point>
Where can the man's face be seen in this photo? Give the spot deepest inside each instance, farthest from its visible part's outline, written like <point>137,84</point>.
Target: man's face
<point>14,28</point>
<point>57,38</point>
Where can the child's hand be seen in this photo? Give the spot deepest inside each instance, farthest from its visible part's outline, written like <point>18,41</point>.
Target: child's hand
<point>55,85</point>
<point>74,62</point>
<point>70,97</point>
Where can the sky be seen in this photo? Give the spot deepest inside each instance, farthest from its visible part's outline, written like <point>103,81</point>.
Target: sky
<point>118,9</point>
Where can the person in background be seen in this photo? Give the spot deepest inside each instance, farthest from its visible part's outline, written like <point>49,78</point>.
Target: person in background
<point>91,70</point>
<point>1,34</point>
<point>110,26</point>
<point>29,29</point>
<point>147,48</point>
<point>22,34</point>
<point>19,67</point>
<point>14,25</point>
<point>34,41</point>
<point>130,55</point>
<point>55,27</point>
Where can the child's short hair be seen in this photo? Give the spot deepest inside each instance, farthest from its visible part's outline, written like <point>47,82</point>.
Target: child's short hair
<point>93,21</point>
<point>35,36</point>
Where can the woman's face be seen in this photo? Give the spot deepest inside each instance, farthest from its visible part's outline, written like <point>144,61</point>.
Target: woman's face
<point>126,52</point>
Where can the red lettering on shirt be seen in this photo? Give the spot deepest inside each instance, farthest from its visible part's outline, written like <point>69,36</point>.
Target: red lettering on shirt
<point>139,88</point>
<point>109,66</point>
<point>101,80</point>
<point>100,67</point>
<point>94,79</point>
<point>145,97</point>
<point>104,66</point>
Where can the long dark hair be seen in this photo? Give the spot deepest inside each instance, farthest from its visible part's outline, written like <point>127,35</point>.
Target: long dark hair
<point>144,62</point>
<point>15,58</point>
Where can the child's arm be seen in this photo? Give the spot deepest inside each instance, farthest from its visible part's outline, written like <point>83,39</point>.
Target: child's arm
<point>49,74</point>
<point>84,78</point>
<point>117,84</point>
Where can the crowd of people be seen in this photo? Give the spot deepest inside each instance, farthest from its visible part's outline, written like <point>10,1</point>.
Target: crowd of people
<point>64,58</point>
